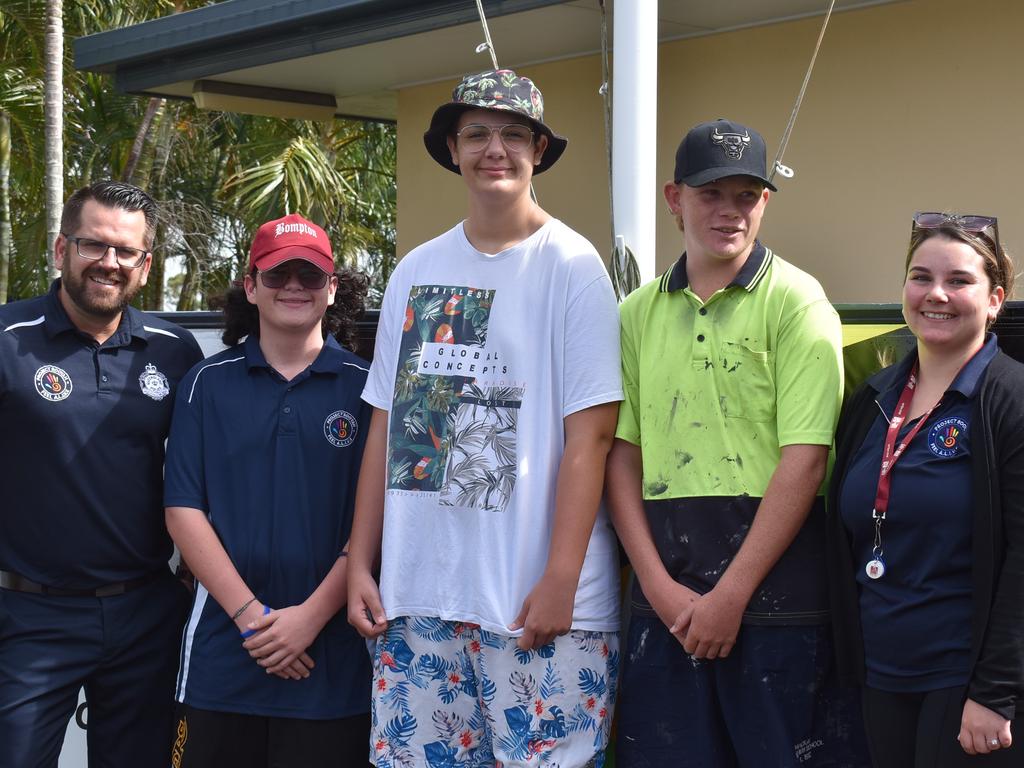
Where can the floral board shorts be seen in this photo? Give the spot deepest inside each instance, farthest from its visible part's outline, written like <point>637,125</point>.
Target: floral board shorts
<point>450,694</point>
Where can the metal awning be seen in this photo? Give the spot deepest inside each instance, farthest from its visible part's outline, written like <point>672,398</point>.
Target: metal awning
<point>362,51</point>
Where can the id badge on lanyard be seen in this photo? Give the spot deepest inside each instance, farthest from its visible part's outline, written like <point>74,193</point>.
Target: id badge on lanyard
<point>875,567</point>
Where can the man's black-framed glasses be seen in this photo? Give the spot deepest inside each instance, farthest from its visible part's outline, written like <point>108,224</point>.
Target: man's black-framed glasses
<point>515,136</point>
<point>94,250</point>
<point>310,278</point>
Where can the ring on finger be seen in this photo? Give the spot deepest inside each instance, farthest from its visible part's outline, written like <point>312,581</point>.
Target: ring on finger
<point>993,742</point>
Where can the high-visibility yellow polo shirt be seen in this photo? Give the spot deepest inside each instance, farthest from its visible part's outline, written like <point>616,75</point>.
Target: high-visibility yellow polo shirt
<point>713,391</point>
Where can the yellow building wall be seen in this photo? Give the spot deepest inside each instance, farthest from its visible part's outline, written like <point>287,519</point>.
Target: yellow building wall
<point>915,105</point>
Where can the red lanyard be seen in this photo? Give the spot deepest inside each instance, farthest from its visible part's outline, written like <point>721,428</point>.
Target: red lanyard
<point>890,455</point>
<point>892,452</point>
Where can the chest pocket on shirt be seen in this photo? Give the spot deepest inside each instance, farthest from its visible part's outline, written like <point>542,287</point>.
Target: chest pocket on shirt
<point>746,382</point>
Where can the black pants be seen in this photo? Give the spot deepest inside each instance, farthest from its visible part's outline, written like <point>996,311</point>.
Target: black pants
<point>207,739</point>
<point>919,730</point>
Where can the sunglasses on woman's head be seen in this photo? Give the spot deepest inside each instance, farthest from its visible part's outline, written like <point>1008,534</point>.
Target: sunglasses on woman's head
<point>974,223</point>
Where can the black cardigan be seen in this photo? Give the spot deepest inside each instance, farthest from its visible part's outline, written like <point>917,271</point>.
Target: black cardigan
<point>997,467</point>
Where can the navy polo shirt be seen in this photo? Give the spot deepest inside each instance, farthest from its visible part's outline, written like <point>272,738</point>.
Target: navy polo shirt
<point>82,430</point>
<point>274,464</point>
<point>916,618</point>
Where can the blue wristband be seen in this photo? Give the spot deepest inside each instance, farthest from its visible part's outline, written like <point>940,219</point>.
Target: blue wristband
<point>251,632</point>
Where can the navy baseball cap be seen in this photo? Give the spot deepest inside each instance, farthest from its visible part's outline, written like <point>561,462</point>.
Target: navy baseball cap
<point>721,148</point>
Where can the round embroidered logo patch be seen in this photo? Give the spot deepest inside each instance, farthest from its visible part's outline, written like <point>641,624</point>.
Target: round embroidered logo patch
<point>53,383</point>
<point>340,428</point>
<point>153,383</point>
<point>946,437</point>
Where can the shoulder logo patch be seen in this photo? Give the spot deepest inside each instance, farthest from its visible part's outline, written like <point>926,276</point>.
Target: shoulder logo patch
<point>153,383</point>
<point>53,383</point>
<point>340,429</point>
<point>946,438</point>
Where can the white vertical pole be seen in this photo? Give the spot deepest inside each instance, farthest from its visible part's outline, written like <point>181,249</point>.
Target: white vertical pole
<point>634,127</point>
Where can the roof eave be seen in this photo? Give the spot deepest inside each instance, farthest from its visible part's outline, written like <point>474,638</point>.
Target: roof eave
<point>246,33</point>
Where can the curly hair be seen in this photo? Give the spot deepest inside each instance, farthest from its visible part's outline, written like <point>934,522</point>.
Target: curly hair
<point>242,318</point>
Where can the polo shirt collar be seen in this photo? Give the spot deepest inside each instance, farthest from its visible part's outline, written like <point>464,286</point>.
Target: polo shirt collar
<point>324,362</point>
<point>57,321</point>
<point>970,375</point>
<point>965,383</point>
<point>748,278</point>
<point>253,354</point>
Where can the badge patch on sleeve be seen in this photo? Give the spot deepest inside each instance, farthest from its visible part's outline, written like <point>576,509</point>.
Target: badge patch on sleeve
<point>153,383</point>
<point>340,428</point>
<point>947,436</point>
<point>53,383</point>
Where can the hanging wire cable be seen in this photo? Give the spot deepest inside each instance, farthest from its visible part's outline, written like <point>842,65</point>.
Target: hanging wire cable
<point>606,96</point>
<point>487,45</point>
<point>625,274</point>
<point>777,165</point>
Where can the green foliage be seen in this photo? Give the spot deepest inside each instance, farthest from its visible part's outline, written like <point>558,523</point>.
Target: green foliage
<point>218,176</point>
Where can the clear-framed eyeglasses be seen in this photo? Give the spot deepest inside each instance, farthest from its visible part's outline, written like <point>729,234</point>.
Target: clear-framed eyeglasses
<point>516,137</point>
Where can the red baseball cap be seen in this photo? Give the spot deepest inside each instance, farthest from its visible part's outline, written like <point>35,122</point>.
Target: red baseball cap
<point>292,237</point>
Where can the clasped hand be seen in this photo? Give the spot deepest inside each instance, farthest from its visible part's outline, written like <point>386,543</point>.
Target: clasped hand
<point>281,640</point>
<point>705,625</point>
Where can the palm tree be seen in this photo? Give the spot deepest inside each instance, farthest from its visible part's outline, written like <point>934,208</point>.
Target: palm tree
<point>5,203</point>
<point>19,102</point>
<point>341,174</point>
<point>53,112</point>
<point>217,176</point>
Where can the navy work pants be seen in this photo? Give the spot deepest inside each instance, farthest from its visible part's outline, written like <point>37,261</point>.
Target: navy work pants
<point>769,704</point>
<point>123,649</point>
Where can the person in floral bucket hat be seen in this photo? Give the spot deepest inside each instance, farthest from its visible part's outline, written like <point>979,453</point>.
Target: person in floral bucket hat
<point>495,386</point>
<point>500,90</point>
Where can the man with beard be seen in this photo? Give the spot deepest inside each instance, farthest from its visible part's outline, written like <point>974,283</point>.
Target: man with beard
<point>86,596</point>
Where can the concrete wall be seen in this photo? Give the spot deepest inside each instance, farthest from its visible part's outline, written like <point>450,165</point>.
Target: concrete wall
<point>913,106</point>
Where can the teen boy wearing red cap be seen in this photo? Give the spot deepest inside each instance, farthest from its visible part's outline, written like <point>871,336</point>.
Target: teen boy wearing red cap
<point>732,371</point>
<point>495,385</point>
<point>261,464</point>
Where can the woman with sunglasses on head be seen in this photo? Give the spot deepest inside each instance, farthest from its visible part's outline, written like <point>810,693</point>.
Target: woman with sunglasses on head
<point>926,517</point>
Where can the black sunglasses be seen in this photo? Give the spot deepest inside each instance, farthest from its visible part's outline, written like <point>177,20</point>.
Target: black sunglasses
<point>310,278</point>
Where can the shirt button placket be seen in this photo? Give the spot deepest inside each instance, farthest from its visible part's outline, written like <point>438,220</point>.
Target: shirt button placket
<point>102,379</point>
<point>287,418</point>
<point>699,325</point>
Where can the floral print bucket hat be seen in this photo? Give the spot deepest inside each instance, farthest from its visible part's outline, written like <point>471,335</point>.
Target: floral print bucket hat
<point>501,90</point>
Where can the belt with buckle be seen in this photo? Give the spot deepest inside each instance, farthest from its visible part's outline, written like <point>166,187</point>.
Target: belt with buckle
<point>18,583</point>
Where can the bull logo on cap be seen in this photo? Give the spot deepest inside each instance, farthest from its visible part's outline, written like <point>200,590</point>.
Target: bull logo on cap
<point>732,143</point>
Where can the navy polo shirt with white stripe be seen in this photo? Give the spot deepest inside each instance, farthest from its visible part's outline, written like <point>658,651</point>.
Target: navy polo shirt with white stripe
<point>273,463</point>
<point>917,617</point>
<point>82,430</point>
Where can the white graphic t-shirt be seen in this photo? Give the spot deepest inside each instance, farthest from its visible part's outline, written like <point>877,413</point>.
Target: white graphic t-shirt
<point>479,358</point>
